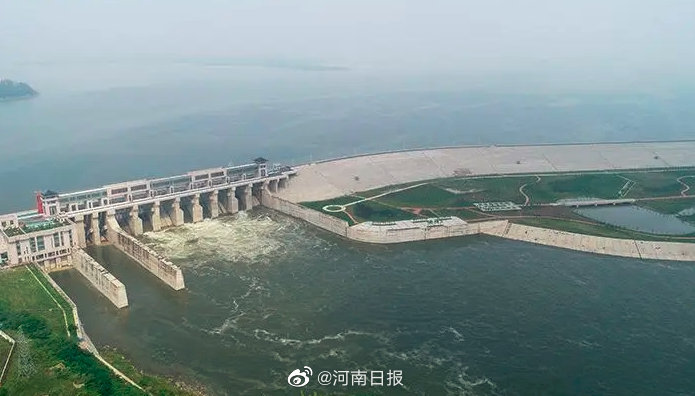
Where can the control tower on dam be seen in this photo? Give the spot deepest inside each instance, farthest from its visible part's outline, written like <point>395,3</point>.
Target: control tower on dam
<point>62,224</point>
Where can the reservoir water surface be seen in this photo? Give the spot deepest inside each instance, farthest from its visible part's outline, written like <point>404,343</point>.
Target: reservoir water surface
<point>639,219</point>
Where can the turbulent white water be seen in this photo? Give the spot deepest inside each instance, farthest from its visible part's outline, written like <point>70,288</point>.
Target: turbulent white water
<point>240,238</point>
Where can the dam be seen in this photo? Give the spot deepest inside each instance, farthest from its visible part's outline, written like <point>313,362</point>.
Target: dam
<point>62,224</point>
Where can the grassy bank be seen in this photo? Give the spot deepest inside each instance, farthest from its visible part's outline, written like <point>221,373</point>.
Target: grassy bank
<point>153,384</point>
<point>662,190</point>
<point>5,348</point>
<point>47,361</point>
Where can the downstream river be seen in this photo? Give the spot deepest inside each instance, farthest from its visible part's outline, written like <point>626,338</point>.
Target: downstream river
<point>267,294</point>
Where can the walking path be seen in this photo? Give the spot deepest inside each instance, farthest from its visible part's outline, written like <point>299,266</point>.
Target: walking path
<point>686,187</point>
<point>526,197</point>
<point>341,208</point>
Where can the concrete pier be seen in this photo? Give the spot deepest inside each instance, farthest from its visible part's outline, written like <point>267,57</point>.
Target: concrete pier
<point>214,205</point>
<point>134,221</point>
<point>81,233</point>
<point>232,201</point>
<point>246,197</point>
<point>95,230</point>
<point>176,212</point>
<point>196,209</point>
<point>273,186</point>
<point>155,217</point>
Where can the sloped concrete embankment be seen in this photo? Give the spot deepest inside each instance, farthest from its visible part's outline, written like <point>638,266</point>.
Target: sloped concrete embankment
<point>656,250</point>
<point>418,230</point>
<point>314,217</point>
<point>146,257</point>
<point>100,278</point>
<point>383,233</point>
<point>421,230</point>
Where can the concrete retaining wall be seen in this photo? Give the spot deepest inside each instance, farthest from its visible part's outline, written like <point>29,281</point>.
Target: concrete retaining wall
<point>100,278</point>
<point>395,232</point>
<point>676,251</point>
<point>419,230</point>
<point>314,217</point>
<point>408,230</point>
<point>148,258</point>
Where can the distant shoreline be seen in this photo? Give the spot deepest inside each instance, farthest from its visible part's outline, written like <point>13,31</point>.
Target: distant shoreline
<point>18,98</point>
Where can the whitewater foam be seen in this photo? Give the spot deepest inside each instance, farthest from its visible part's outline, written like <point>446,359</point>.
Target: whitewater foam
<point>240,238</point>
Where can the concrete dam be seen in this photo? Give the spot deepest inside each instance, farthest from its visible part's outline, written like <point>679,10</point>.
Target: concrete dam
<point>62,224</point>
<point>54,234</point>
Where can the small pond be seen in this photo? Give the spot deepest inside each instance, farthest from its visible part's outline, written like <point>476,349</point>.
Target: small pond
<point>638,219</point>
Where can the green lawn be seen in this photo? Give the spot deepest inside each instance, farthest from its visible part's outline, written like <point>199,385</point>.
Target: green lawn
<point>489,189</point>
<point>67,308</point>
<point>46,361</point>
<point>375,211</point>
<point>20,291</point>
<point>659,184</point>
<point>437,195</point>
<point>318,205</point>
<point>427,195</point>
<point>670,206</point>
<point>553,188</point>
<point>4,351</point>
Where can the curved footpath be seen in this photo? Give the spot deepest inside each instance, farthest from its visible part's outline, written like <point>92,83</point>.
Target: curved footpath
<point>335,178</point>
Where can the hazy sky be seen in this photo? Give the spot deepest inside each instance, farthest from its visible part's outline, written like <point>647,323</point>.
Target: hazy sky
<point>619,37</point>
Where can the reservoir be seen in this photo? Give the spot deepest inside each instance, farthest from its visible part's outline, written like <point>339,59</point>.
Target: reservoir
<point>638,219</point>
<point>267,294</point>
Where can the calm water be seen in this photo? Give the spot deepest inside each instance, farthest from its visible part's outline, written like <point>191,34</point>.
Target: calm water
<point>97,123</point>
<point>472,316</point>
<point>639,219</point>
